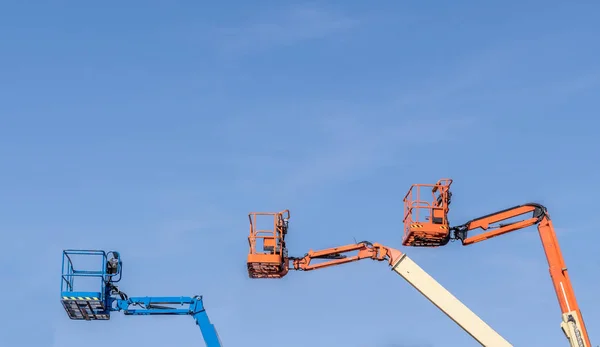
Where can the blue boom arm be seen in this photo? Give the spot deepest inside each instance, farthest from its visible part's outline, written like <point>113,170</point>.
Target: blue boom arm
<point>171,305</point>
<point>106,297</point>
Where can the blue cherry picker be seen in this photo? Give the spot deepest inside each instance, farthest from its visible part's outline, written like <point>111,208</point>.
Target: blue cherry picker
<point>98,305</point>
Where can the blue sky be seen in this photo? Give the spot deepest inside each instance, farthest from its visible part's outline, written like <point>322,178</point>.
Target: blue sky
<point>154,127</point>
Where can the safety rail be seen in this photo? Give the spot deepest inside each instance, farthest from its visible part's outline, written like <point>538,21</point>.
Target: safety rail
<point>425,214</point>
<point>270,260</point>
<point>272,239</point>
<point>69,273</point>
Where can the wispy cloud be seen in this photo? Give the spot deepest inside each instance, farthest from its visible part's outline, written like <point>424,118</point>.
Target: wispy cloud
<point>347,142</point>
<point>286,26</point>
<point>355,148</point>
<point>181,230</point>
<point>480,77</point>
<point>577,84</point>
<point>338,148</point>
<point>475,69</point>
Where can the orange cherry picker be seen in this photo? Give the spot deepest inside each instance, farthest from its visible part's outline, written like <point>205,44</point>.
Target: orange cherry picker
<point>426,224</point>
<point>268,258</point>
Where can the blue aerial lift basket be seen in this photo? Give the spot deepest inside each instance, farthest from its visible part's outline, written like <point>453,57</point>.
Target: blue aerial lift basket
<point>86,305</point>
<point>97,305</point>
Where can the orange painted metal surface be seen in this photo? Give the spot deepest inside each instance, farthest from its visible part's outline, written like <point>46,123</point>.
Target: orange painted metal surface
<point>492,226</point>
<point>558,269</point>
<point>426,209</point>
<point>268,253</point>
<point>337,255</point>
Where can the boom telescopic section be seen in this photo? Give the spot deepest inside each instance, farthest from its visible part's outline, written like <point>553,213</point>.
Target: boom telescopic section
<point>89,292</point>
<point>268,258</point>
<point>425,219</point>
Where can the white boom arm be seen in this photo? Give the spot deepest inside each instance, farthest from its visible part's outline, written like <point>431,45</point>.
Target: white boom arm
<point>448,303</point>
<point>570,326</point>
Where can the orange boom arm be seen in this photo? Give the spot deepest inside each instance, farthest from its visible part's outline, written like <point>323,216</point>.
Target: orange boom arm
<point>336,256</point>
<point>268,259</point>
<point>268,256</point>
<point>426,225</point>
<point>558,269</point>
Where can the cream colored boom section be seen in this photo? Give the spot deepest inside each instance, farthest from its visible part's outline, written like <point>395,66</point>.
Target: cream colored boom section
<point>570,326</point>
<point>448,303</point>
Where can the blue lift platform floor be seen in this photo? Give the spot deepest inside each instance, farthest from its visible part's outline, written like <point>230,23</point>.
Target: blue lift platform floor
<point>84,306</point>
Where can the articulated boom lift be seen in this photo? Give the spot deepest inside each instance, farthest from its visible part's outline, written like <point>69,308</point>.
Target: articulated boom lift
<point>424,221</point>
<point>107,298</point>
<point>268,258</point>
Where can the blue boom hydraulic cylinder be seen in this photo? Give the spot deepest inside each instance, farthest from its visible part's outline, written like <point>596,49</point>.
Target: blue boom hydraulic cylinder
<point>98,304</point>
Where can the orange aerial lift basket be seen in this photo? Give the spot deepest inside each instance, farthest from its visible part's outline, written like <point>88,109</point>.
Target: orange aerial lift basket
<point>426,214</point>
<point>268,256</point>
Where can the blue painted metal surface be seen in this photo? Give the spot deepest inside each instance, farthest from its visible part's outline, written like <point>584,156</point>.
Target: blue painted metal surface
<point>97,305</point>
<point>176,305</point>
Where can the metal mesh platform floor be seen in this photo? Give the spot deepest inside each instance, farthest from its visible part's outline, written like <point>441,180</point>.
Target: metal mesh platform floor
<point>85,308</point>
